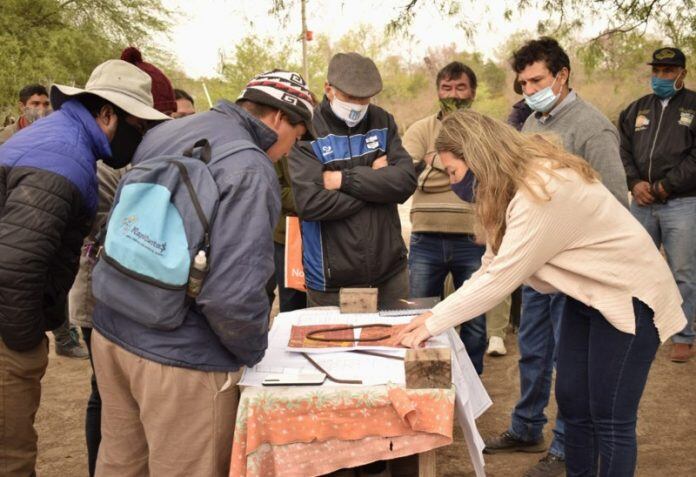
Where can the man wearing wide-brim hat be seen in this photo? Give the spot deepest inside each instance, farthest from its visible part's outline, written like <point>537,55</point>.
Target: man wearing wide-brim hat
<point>347,184</point>
<point>48,198</point>
<point>658,150</point>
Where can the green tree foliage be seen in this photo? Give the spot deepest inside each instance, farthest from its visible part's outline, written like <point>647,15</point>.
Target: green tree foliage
<point>63,40</point>
<point>409,88</point>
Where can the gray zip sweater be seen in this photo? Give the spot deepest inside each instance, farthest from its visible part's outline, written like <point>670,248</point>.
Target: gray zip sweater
<point>586,132</point>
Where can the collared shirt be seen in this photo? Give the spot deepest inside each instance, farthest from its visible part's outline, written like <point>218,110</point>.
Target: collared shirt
<point>566,101</point>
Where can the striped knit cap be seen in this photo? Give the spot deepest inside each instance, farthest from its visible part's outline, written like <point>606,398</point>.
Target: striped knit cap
<point>286,91</point>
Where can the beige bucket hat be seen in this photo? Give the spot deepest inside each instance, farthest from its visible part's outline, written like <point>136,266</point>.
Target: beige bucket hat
<point>118,82</point>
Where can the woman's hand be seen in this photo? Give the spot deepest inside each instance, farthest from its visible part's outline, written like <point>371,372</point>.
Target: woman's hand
<point>415,333</point>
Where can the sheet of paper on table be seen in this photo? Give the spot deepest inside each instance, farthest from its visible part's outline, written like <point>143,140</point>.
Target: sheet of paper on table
<point>471,397</point>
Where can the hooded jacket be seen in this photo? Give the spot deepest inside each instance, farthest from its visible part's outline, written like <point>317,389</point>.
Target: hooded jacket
<point>227,326</point>
<point>351,236</point>
<point>48,197</point>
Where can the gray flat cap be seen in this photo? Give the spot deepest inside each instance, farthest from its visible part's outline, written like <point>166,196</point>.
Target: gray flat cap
<point>355,75</point>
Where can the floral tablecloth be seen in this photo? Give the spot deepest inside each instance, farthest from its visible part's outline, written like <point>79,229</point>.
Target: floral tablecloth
<point>303,432</point>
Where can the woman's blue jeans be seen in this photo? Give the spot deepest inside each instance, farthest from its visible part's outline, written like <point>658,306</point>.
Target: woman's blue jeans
<point>601,374</point>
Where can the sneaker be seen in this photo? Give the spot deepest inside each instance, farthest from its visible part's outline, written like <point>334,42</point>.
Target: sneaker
<point>72,348</point>
<point>496,346</point>
<point>681,352</point>
<point>506,442</point>
<point>549,466</point>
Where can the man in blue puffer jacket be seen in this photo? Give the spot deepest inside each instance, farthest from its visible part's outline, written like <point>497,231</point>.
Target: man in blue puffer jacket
<point>48,198</point>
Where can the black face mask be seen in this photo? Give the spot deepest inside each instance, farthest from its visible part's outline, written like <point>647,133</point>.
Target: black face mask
<point>123,145</point>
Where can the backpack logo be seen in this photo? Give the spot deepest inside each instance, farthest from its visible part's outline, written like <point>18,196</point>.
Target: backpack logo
<point>131,231</point>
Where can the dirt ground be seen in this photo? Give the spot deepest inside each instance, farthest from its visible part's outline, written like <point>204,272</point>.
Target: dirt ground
<point>666,429</point>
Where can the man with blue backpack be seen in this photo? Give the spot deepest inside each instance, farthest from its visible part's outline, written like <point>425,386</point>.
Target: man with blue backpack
<point>180,284</point>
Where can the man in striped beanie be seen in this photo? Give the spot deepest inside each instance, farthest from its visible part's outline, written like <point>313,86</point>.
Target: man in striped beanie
<point>170,396</point>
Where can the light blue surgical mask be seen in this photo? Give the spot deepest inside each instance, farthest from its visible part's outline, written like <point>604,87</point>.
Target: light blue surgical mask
<point>543,100</point>
<point>664,88</point>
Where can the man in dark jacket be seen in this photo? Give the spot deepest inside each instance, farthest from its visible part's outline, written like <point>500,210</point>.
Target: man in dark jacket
<point>347,184</point>
<point>48,198</point>
<point>658,150</point>
<point>170,396</point>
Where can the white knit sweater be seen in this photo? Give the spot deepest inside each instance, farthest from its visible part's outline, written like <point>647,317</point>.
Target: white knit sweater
<point>583,243</point>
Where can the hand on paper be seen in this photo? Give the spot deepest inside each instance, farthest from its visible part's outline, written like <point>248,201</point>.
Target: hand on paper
<point>415,334</point>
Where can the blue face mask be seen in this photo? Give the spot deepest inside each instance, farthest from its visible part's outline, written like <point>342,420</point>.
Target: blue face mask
<point>664,88</point>
<point>543,100</point>
<point>465,188</point>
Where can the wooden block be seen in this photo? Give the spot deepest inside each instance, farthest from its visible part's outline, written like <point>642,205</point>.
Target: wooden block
<point>358,300</point>
<point>428,368</point>
<point>427,464</point>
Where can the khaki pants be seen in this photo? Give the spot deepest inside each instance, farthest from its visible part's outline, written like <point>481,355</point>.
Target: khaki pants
<point>20,394</point>
<point>160,420</point>
<point>498,319</point>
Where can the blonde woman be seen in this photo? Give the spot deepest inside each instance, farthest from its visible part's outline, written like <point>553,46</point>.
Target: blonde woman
<point>548,222</point>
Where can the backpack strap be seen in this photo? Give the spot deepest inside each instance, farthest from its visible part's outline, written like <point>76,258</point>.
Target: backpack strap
<point>196,203</point>
<point>204,153</point>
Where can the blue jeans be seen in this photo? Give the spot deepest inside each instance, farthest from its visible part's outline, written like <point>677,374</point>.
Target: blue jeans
<point>431,257</point>
<point>540,326</point>
<point>673,226</point>
<point>601,377</point>
<point>289,298</point>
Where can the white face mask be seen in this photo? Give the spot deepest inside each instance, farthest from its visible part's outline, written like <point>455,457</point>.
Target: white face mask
<point>350,113</point>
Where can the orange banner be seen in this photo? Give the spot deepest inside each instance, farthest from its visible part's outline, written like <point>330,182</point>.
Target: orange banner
<point>294,271</point>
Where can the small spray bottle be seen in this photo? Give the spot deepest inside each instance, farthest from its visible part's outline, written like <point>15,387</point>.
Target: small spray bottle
<point>198,272</point>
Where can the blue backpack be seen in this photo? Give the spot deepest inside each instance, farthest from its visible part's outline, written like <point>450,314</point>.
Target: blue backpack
<point>161,218</point>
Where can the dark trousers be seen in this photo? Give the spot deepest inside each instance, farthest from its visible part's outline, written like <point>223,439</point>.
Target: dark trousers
<point>392,289</point>
<point>431,258</point>
<point>93,415</point>
<point>601,374</point>
<point>289,299</point>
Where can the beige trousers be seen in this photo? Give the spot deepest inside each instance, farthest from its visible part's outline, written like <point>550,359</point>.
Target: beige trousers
<point>20,394</point>
<point>160,420</point>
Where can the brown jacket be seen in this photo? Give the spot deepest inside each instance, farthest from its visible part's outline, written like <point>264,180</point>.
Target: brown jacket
<point>286,199</point>
<point>8,131</point>
<point>435,208</point>
<point>80,299</point>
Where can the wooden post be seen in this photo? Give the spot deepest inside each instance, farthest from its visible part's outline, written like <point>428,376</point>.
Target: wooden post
<point>305,62</point>
<point>427,464</point>
<point>428,368</point>
<point>358,300</point>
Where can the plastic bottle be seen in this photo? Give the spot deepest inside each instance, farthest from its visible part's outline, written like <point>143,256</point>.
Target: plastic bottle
<point>199,270</point>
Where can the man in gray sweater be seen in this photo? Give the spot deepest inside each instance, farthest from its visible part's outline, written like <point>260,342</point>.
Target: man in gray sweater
<point>543,72</point>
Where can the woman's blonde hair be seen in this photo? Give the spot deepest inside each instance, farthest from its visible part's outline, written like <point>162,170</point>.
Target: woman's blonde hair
<point>503,161</point>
